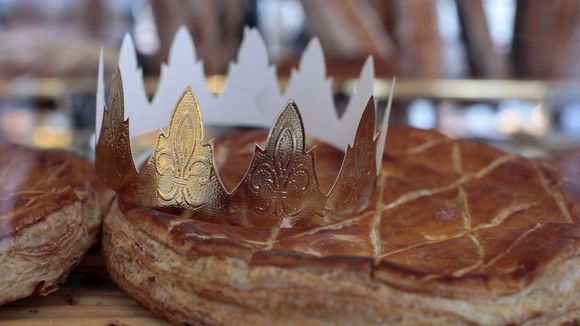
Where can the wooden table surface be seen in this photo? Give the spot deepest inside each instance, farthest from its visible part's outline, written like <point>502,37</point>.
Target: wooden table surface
<point>87,298</point>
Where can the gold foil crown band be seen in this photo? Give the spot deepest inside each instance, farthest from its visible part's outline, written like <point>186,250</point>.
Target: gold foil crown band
<point>280,188</point>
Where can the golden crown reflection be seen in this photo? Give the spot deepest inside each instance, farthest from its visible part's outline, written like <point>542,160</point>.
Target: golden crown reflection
<point>280,188</point>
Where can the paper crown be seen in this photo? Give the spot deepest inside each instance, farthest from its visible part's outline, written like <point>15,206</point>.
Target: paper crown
<point>252,95</point>
<point>280,187</point>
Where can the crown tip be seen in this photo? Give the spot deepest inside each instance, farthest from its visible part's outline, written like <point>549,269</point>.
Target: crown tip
<point>117,73</point>
<point>291,110</point>
<point>116,83</point>
<point>369,111</point>
<point>189,93</point>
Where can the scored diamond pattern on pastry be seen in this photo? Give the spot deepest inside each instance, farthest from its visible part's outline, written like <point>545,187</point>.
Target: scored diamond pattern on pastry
<point>426,223</point>
<point>420,244</point>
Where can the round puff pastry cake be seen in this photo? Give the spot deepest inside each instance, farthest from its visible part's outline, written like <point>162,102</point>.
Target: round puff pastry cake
<point>462,234</point>
<point>51,209</point>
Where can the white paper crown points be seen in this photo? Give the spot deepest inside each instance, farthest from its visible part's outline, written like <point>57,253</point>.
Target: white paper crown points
<point>100,98</point>
<point>252,95</point>
<point>182,55</point>
<point>384,127</point>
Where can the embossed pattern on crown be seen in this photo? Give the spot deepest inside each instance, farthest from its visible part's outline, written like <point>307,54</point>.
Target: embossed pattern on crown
<point>281,188</point>
<point>180,173</point>
<point>114,160</point>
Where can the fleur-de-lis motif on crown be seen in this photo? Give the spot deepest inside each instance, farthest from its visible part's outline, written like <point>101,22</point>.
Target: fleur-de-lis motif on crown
<point>280,188</point>
<point>179,173</point>
<point>182,166</point>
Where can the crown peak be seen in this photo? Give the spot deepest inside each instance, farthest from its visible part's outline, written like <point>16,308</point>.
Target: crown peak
<point>288,125</point>
<point>187,110</point>
<point>369,114</point>
<point>117,81</point>
<point>291,108</point>
<point>188,91</point>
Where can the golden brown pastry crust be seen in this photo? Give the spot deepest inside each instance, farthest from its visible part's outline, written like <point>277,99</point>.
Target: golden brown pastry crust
<point>464,233</point>
<point>50,214</point>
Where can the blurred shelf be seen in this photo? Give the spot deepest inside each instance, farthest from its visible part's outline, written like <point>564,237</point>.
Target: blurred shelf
<point>406,89</point>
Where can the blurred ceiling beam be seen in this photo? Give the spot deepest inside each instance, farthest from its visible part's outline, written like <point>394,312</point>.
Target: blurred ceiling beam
<point>216,27</point>
<point>348,28</point>
<point>484,59</point>
<point>417,35</point>
<point>545,38</point>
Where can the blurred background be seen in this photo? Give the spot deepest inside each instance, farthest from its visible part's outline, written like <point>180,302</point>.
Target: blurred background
<point>502,71</point>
